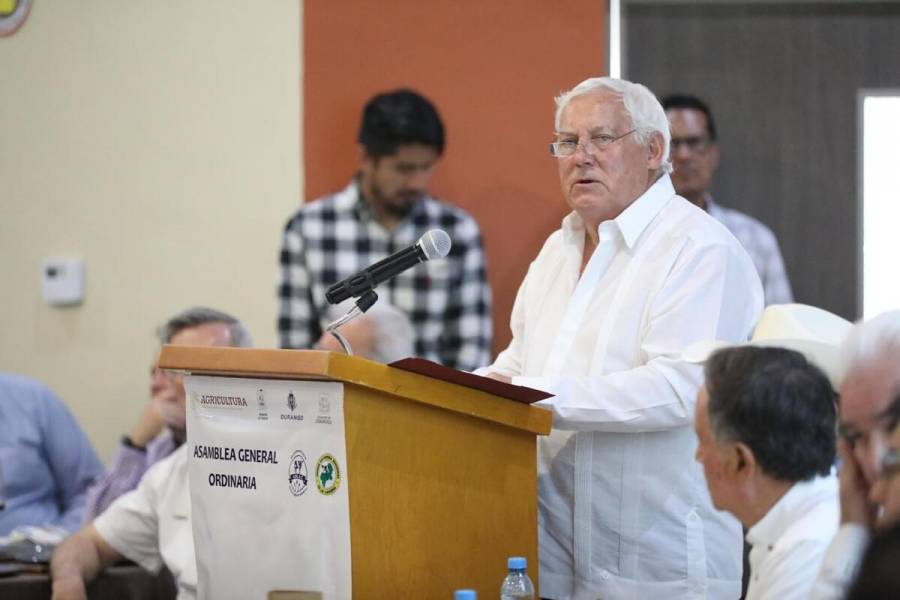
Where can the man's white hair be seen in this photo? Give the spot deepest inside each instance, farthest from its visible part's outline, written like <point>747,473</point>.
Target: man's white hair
<point>391,328</point>
<point>641,106</point>
<point>871,343</point>
<point>394,333</point>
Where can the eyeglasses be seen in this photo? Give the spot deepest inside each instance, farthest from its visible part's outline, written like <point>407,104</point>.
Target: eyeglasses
<point>599,143</point>
<point>697,143</point>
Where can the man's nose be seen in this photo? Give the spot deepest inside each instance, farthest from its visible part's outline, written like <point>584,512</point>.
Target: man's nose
<point>418,180</point>
<point>584,153</point>
<point>680,152</point>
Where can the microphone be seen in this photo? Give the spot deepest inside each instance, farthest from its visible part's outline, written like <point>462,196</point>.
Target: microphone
<point>434,244</point>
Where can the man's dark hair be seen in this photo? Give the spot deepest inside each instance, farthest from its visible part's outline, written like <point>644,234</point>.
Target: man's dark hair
<point>778,404</point>
<point>676,101</point>
<point>397,118</point>
<point>200,315</point>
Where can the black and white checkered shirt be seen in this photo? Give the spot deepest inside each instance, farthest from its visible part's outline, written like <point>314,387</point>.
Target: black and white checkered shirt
<point>448,300</point>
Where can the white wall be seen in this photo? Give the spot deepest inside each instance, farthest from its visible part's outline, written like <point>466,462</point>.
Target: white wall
<point>160,142</point>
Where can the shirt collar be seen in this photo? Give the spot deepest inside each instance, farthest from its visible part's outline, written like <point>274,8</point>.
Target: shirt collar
<point>712,209</point>
<point>362,210</point>
<point>632,222</point>
<point>802,496</point>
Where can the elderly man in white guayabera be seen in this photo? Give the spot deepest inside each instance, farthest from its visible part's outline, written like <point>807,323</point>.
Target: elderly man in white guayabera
<point>635,275</point>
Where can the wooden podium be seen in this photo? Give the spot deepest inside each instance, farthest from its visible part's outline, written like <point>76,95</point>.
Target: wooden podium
<point>442,477</point>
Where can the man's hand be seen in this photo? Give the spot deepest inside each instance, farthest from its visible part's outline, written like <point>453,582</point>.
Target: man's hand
<point>855,504</point>
<point>77,560</point>
<point>148,426</point>
<point>499,377</point>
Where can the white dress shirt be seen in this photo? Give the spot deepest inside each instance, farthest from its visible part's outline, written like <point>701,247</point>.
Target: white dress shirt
<point>623,507</point>
<point>151,525</point>
<point>842,562</point>
<point>788,544</point>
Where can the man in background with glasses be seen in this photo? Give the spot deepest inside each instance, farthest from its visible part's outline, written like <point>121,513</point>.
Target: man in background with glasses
<point>695,157</point>
<point>161,427</point>
<point>866,415</point>
<point>635,275</point>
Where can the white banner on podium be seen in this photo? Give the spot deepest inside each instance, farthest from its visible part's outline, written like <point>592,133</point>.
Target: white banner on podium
<point>267,464</point>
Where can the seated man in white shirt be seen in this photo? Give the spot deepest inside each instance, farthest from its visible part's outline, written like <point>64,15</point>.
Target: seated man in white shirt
<point>151,525</point>
<point>871,357</point>
<point>765,421</point>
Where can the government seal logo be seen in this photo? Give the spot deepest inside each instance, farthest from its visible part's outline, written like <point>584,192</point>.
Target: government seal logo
<point>297,476</point>
<point>328,474</point>
<point>261,401</point>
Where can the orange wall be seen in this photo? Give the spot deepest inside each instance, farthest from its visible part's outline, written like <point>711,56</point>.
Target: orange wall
<point>492,68</point>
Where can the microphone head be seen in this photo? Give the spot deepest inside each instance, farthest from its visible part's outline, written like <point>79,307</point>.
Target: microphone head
<point>435,244</point>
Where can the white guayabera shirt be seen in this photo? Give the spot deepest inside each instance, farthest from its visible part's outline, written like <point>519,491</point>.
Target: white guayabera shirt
<point>623,507</point>
<point>789,542</point>
<point>151,525</point>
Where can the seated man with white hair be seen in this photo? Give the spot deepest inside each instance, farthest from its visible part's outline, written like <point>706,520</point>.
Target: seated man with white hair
<point>161,428</point>
<point>871,381</point>
<point>383,333</point>
<point>151,523</point>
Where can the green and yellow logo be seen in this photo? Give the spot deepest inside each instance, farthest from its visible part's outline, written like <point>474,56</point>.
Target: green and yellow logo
<point>12,14</point>
<point>328,474</point>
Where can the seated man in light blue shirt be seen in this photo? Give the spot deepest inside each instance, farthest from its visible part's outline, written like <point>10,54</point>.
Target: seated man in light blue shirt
<point>46,461</point>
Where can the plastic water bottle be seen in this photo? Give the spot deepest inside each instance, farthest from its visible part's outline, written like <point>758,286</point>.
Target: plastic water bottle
<point>465,595</point>
<point>517,585</point>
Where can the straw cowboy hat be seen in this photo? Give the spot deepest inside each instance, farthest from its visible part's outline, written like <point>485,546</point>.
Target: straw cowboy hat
<point>815,333</point>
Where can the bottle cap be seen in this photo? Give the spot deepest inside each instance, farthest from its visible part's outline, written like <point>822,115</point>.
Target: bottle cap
<point>516,562</point>
<point>464,595</point>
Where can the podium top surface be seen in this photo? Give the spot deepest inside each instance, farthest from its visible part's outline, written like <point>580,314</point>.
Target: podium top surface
<point>330,366</point>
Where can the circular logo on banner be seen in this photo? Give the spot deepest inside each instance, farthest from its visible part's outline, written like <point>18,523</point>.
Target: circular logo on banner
<point>297,476</point>
<point>12,14</point>
<point>328,474</point>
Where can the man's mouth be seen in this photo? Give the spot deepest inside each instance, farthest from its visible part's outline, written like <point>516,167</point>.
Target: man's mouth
<point>586,181</point>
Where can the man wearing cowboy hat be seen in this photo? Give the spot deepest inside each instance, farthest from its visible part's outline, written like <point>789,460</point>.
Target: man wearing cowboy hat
<point>765,422</point>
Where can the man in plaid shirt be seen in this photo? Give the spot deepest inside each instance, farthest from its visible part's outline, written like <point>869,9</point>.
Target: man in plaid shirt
<point>385,209</point>
<point>695,156</point>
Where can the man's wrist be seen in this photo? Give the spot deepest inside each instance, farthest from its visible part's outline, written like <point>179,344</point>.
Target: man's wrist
<point>68,587</point>
<point>129,443</point>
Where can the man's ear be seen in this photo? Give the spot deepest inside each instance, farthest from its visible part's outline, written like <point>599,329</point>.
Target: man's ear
<point>744,462</point>
<point>366,162</point>
<point>655,151</point>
